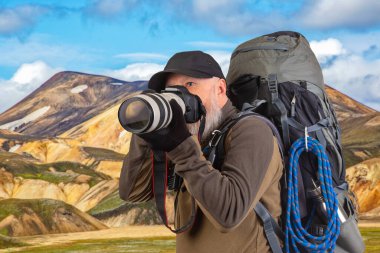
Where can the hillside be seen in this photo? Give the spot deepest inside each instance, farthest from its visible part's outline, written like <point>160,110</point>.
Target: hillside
<point>64,101</point>
<point>80,164</point>
<point>361,138</point>
<point>346,107</point>
<point>364,180</point>
<point>73,183</point>
<point>20,217</point>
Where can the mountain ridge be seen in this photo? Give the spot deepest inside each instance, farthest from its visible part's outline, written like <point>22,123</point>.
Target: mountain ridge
<point>65,100</point>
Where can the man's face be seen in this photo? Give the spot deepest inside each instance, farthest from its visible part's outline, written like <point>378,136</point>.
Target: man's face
<point>202,87</point>
<point>207,90</point>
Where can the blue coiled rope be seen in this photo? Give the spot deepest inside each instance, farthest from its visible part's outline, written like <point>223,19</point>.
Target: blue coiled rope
<point>295,234</point>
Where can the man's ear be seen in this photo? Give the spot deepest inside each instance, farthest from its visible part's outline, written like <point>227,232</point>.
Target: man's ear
<point>222,86</point>
<point>221,92</point>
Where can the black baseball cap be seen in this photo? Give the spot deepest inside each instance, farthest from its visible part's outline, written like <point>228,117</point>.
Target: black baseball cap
<point>191,63</point>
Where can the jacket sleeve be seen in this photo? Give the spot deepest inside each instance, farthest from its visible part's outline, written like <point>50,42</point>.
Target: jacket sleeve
<point>226,196</point>
<point>135,183</point>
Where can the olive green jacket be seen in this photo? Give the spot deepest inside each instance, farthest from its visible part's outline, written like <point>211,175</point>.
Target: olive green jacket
<point>225,220</point>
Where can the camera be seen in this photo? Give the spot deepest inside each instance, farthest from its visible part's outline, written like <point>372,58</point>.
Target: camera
<point>151,111</point>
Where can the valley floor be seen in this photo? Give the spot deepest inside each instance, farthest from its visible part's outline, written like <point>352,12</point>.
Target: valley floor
<point>112,233</point>
<point>128,232</point>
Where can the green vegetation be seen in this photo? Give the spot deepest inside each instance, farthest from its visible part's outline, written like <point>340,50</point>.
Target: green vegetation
<point>364,138</point>
<point>21,166</point>
<point>108,204</point>
<point>103,154</point>
<point>44,208</point>
<point>6,242</point>
<point>50,177</point>
<point>157,244</point>
<point>21,137</point>
<point>371,238</point>
<point>112,206</point>
<point>151,245</point>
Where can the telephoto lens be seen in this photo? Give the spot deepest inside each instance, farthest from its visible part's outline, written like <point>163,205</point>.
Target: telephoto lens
<point>149,112</point>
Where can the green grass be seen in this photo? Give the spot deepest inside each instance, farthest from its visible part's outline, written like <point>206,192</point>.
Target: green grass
<point>146,245</point>
<point>6,242</point>
<point>21,166</point>
<point>22,137</point>
<point>103,154</point>
<point>356,136</point>
<point>371,238</point>
<point>111,207</point>
<point>160,245</point>
<point>44,208</point>
<point>108,204</point>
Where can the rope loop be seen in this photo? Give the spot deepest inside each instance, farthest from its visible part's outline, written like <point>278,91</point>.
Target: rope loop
<point>295,234</point>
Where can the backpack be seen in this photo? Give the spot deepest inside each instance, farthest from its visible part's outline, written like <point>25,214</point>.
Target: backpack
<point>277,78</point>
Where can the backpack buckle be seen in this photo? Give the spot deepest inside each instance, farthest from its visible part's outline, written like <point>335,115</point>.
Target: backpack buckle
<point>272,86</point>
<point>216,135</point>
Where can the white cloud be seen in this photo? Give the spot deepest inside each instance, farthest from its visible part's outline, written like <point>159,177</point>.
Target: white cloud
<point>201,6</point>
<point>32,73</point>
<point>325,49</point>
<point>327,14</point>
<point>223,58</point>
<point>27,78</point>
<point>144,71</point>
<point>14,52</point>
<point>135,71</point>
<point>142,56</point>
<point>356,77</point>
<point>14,20</point>
<point>109,8</point>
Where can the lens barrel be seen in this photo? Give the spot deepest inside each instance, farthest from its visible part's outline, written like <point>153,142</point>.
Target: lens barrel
<point>148,112</point>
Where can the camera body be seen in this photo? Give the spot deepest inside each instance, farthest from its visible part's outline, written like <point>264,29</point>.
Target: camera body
<point>151,111</point>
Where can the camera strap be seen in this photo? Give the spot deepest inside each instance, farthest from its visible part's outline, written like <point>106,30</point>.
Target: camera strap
<point>159,181</point>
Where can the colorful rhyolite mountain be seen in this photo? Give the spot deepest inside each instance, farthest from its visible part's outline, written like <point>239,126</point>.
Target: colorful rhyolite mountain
<point>64,142</point>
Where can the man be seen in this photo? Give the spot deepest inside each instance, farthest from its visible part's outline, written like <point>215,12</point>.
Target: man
<point>225,198</point>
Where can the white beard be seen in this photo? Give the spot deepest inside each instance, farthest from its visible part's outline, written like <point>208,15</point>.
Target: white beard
<point>213,118</point>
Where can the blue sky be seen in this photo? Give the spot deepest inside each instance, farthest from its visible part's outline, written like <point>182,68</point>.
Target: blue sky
<point>131,39</point>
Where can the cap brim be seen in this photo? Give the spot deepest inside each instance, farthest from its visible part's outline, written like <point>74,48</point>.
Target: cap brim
<point>157,81</point>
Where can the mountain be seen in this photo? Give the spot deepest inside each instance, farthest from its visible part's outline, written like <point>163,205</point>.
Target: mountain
<point>20,217</point>
<point>364,180</point>
<point>361,138</point>
<point>346,107</point>
<point>64,101</point>
<point>22,177</point>
<point>360,126</point>
<point>79,162</point>
<point>7,242</point>
<point>99,142</point>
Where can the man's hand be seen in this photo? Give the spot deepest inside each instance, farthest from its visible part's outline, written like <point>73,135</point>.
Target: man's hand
<point>168,138</point>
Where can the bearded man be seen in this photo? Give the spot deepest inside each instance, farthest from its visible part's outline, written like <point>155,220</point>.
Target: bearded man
<point>225,197</point>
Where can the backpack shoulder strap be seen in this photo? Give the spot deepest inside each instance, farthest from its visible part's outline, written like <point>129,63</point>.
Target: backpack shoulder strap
<point>271,228</point>
<point>216,144</point>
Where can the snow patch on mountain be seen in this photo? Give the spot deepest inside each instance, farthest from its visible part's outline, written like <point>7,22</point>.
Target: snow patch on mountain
<point>14,148</point>
<point>28,118</point>
<point>79,88</point>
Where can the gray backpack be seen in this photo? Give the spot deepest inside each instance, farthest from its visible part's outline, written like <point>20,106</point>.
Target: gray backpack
<point>278,76</point>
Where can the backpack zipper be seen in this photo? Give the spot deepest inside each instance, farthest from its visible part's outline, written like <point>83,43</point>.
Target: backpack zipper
<point>293,107</point>
<point>272,46</point>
